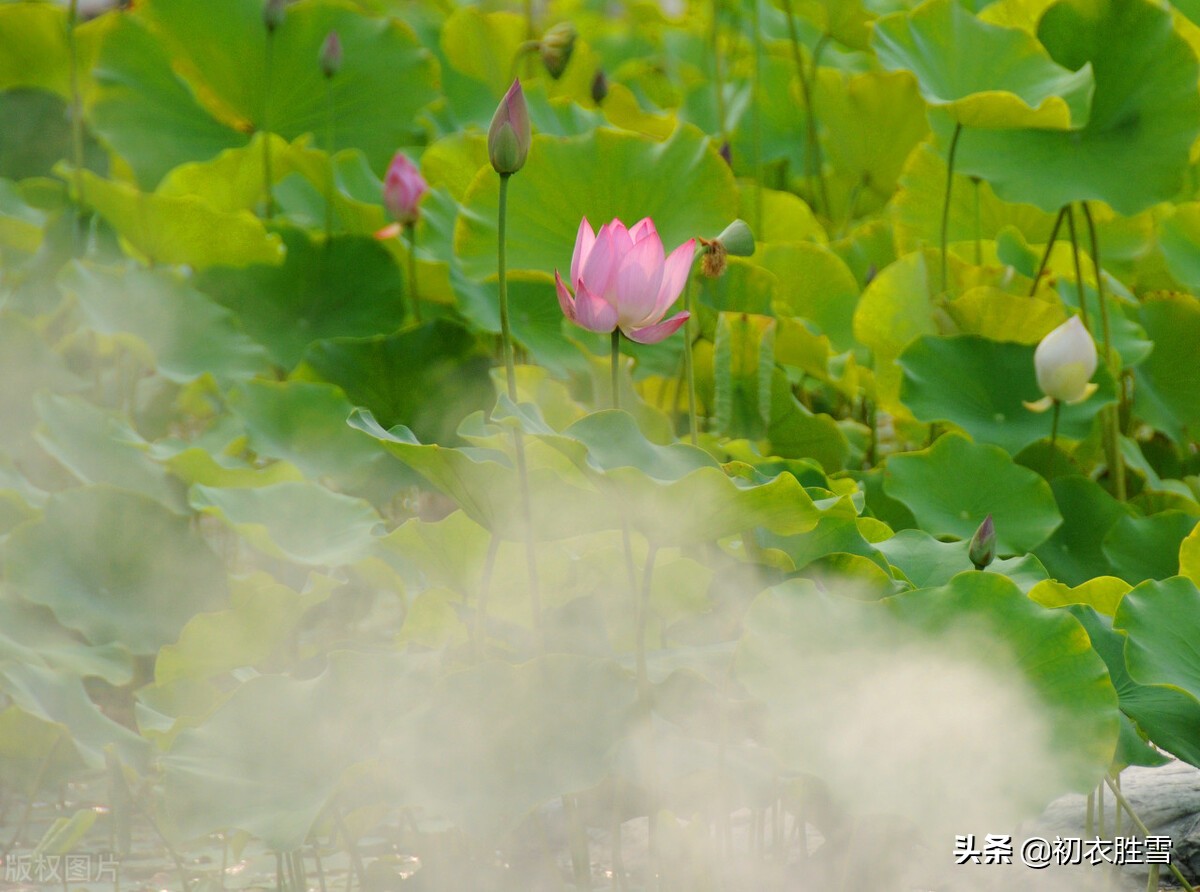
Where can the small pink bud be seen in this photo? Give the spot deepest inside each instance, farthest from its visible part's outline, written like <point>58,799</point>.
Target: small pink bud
<point>402,190</point>
<point>509,135</point>
<point>331,54</point>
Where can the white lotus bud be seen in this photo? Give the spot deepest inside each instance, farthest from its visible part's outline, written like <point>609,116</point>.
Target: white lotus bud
<point>1065,361</point>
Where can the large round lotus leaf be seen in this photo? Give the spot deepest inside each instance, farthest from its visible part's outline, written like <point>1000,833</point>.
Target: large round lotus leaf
<point>1074,553</point>
<point>682,184</point>
<point>493,741</point>
<point>245,767</point>
<point>347,287</point>
<point>297,521</point>
<point>980,385</point>
<point>953,485</point>
<point>31,634</point>
<point>1170,717</point>
<point>186,334</point>
<point>204,69</point>
<point>874,101</point>
<point>786,217</point>
<point>28,365</point>
<point>1179,239</point>
<point>393,376</point>
<point>1000,316</point>
<point>179,230</point>
<point>1142,548</point>
<point>814,284</point>
<point>304,423</point>
<point>982,75</point>
<point>1168,382</point>
<point>485,484</point>
<point>794,431</point>
<point>1161,620</point>
<point>854,689</point>
<point>116,566</point>
<point>1145,114</point>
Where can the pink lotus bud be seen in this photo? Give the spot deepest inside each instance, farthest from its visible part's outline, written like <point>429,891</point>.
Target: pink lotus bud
<point>402,190</point>
<point>982,550</point>
<point>509,135</point>
<point>331,54</point>
<point>623,280</point>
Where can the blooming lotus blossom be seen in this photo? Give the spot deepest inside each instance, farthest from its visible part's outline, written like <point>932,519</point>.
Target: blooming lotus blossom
<point>403,189</point>
<point>1065,361</point>
<point>623,280</point>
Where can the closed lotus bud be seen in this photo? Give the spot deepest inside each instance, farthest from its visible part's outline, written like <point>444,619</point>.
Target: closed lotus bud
<point>273,13</point>
<point>983,544</point>
<point>1065,361</point>
<point>556,47</point>
<point>726,153</point>
<point>331,54</point>
<point>509,135</point>
<point>599,87</point>
<point>402,190</point>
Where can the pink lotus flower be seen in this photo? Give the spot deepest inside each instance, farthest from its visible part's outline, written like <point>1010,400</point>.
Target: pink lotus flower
<point>402,190</point>
<point>622,280</point>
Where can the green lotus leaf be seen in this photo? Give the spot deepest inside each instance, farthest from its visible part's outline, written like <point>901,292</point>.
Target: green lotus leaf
<point>37,133</point>
<point>1168,382</point>
<point>658,487</point>
<point>205,71</point>
<point>692,193</point>
<point>1102,594</point>
<point>1145,114</point>
<point>31,759</point>
<point>954,484</point>
<point>1159,619</point>
<point>551,727</point>
<point>347,287</point>
<point>32,635</point>
<point>1074,553</point>
<point>116,566</point>
<point>865,171</point>
<point>393,375</point>
<point>1179,239</point>
<point>25,358</point>
<point>1141,548</point>
<point>262,615</point>
<point>485,484</point>
<point>743,365</point>
<point>841,678</point>
<point>814,284</point>
<point>304,423</point>
<point>982,75</point>
<point>186,334</point>
<point>182,230</point>
<point>1169,717</point>
<point>34,36</point>
<point>61,699</point>
<point>301,522</point>
<point>980,385</point>
<point>975,210</point>
<point>795,432</point>
<point>449,551</point>
<point>100,447</point>
<point>786,217</point>
<point>241,768</point>
<point>998,316</point>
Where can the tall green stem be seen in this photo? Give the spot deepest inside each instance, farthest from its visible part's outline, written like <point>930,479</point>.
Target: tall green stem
<point>1054,422</point>
<point>1143,829</point>
<point>978,225</point>
<point>946,203</point>
<point>264,127</point>
<point>502,268</point>
<point>756,110</point>
<point>615,366</point>
<point>76,109</point>
<point>688,366</point>
<point>535,597</point>
<point>718,67</point>
<point>1081,289</point>
<point>410,230</point>
<point>1116,462</point>
<point>1049,247</point>
<point>329,150</point>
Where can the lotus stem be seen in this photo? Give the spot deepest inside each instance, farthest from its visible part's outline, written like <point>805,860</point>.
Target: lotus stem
<point>501,267</point>
<point>689,368</point>
<point>1054,422</point>
<point>1113,427</point>
<point>329,149</point>
<point>946,203</point>
<point>410,230</point>
<point>643,611</point>
<point>718,68</point>
<point>1137,822</point>
<point>485,588</point>
<point>1081,289</point>
<point>756,109</point>
<point>813,164</point>
<point>615,366</point>
<point>264,128</point>
<point>76,109</point>
<point>1049,247</point>
<point>978,225</point>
